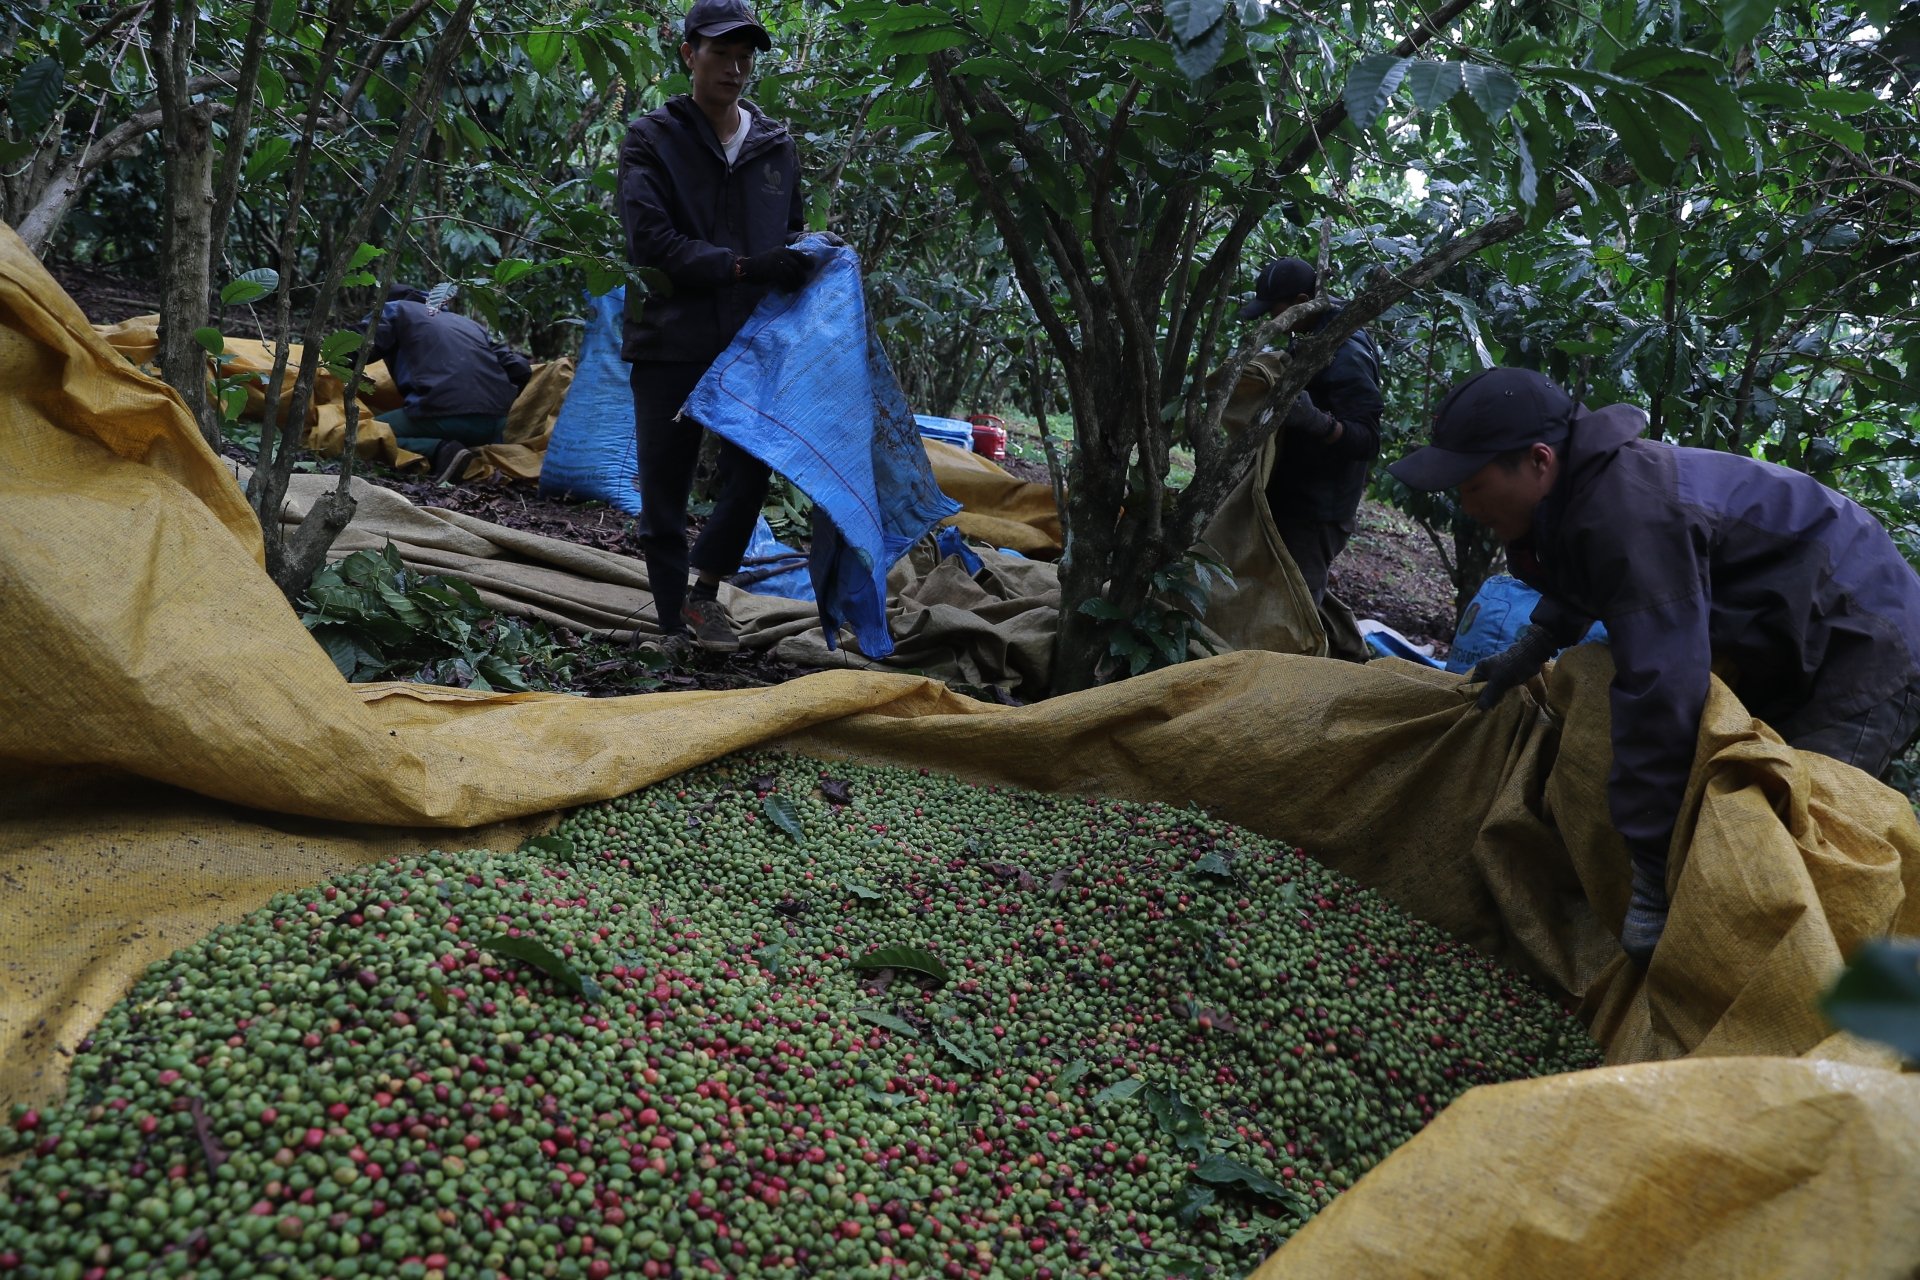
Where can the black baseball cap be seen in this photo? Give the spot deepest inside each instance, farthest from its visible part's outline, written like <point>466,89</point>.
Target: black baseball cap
<point>1489,414</point>
<point>713,18</point>
<point>1281,280</point>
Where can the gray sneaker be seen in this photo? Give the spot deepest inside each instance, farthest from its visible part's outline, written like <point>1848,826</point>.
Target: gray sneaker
<point>712,628</point>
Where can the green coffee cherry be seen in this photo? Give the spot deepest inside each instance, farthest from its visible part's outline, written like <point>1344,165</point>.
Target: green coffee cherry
<point>784,1016</point>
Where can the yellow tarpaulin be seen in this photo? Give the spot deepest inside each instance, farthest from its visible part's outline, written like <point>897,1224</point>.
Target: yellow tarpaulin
<point>174,748</point>
<point>519,454</point>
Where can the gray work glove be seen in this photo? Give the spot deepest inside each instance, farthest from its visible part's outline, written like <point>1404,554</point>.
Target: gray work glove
<point>1647,903</point>
<point>1309,419</point>
<point>1514,665</point>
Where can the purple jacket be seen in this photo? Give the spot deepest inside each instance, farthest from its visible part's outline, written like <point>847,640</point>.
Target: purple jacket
<point>445,364</point>
<point>687,215</point>
<point>1693,557</point>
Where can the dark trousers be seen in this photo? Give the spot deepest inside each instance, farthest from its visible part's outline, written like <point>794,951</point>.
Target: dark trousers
<point>1313,546</point>
<point>669,450</point>
<point>1870,740</point>
<point>424,435</point>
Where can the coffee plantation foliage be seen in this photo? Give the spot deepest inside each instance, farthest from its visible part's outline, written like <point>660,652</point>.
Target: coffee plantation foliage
<point>773,1016</point>
<point>1715,216</point>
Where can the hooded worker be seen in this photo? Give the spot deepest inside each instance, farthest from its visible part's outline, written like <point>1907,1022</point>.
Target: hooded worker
<point>457,380</point>
<point>1694,560</point>
<point>1332,432</point>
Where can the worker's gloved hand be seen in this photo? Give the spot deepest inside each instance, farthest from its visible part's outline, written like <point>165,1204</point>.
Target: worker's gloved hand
<point>832,238</point>
<point>1647,906</point>
<point>1309,419</point>
<point>782,268</point>
<point>1514,665</point>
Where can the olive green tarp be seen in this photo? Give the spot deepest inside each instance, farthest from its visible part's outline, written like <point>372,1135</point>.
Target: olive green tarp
<point>174,749</point>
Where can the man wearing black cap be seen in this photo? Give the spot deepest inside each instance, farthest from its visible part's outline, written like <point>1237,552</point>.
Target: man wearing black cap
<point>709,197</point>
<point>1332,433</point>
<point>1690,557</point>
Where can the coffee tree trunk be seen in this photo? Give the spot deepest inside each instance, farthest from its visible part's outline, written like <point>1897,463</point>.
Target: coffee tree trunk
<point>186,131</point>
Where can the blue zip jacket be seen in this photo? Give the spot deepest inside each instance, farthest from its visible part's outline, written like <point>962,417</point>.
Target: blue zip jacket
<point>1692,556</point>
<point>445,364</point>
<point>688,215</point>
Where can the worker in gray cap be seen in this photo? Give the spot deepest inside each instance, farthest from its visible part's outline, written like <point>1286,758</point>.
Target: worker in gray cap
<point>1696,561</point>
<point>1332,432</point>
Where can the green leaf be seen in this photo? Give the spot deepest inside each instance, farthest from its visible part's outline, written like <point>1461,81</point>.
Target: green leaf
<point>527,951</point>
<point>1071,1074</point>
<point>1246,1233</point>
<point>268,157</point>
<point>923,41</point>
<point>363,255</point>
<point>471,133</point>
<point>782,813</point>
<point>36,95</point>
<point>1527,181</point>
<point>1001,16</point>
<point>1222,1171</point>
<point>1177,1118</point>
<point>1201,56</point>
<point>1212,865</point>
<point>1492,89</point>
<point>889,1100</point>
<point>1192,19</point>
<point>1834,128</point>
<point>250,286</point>
<point>899,1026</point>
<point>210,340</point>
<point>912,959</point>
<point>1843,101</point>
<point>1638,138</point>
<point>438,995</point>
<point>352,659</point>
<point>1432,83</point>
<point>507,270</point>
<point>337,346</point>
<point>273,88</point>
<point>1192,1203</point>
<point>553,846</point>
<point>963,1053</point>
<point>864,892</point>
<point>773,955</point>
<point>1742,20</point>
<point>1650,62</point>
<point>233,402</point>
<point>281,15</point>
<point>544,49</point>
<point>1105,610</point>
<point>441,294</point>
<point>1118,1091</point>
<point>1370,85</point>
<point>1877,996</point>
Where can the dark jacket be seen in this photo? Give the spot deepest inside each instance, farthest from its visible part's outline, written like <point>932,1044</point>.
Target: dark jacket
<point>1322,483</point>
<point>686,214</point>
<point>1691,556</point>
<point>445,364</point>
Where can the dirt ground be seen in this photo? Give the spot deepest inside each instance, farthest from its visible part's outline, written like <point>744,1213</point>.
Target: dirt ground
<point>1391,572</point>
